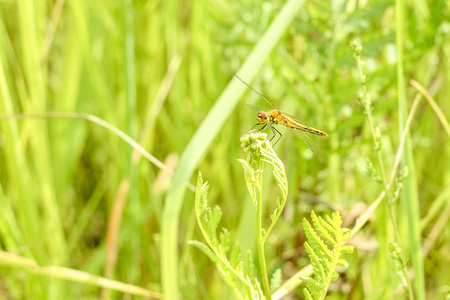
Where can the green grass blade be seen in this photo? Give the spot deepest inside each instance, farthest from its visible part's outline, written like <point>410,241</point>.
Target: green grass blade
<point>411,195</point>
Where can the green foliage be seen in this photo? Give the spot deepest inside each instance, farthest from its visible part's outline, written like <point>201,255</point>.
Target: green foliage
<point>372,172</point>
<point>236,266</point>
<point>259,155</point>
<point>399,265</point>
<point>73,194</point>
<point>398,187</point>
<point>275,280</point>
<point>325,247</point>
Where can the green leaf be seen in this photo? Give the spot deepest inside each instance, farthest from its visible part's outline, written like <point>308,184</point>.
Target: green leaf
<point>324,229</point>
<point>225,240</point>
<point>216,216</point>
<point>256,292</point>
<point>316,243</point>
<point>315,287</point>
<point>249,264</point>
<point>234,257</point>
<point>315,262</point>
<point>347,249</point>
<point>307,294</point>
<point>205,249</point>
<point>275,280</point>
<point>323,260</point>
<point>208,220</point>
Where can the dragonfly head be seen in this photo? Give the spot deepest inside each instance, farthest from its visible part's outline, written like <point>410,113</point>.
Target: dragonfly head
<point>262,117</point>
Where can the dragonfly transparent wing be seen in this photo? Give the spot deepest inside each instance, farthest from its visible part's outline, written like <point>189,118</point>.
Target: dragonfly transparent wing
<point>308,141</point>
<point>255,107</point>
<point>298,121</point>
<point>258,93</point>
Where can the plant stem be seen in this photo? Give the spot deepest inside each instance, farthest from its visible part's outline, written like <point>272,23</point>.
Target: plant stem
<point>259,230</point>
<point>383,173</point>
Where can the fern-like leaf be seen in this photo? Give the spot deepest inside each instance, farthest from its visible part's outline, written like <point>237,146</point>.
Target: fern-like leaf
<point>225,240</point>
<point>316,243</point>
<point>314,287</point>
<point>323,259</point>
<point>315,261</point>
<point>307,294</point>
<point>256,292</point>
<point>275,280</point>
<point>236,270</point>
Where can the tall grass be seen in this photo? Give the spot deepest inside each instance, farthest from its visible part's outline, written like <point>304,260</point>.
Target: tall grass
<point>74,197</point>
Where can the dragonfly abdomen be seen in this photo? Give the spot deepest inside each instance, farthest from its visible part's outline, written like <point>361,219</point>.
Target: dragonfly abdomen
<point>277,117</point>
<point>309,129</point>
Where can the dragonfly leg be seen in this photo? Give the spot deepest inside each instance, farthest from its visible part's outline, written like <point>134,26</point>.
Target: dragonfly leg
<point>262,128</point>
<point>274,134</point>
<point>273,129</point>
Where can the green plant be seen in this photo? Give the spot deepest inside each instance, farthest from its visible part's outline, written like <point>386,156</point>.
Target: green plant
<point>324,260</point>
<point>366,102</point>
<point>236,265</point>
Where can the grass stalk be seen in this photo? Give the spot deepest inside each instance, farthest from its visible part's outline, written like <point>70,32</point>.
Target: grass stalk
<point>53,271</point>
<point>411,195</point>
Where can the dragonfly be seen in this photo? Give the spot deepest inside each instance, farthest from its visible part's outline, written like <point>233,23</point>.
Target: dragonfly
<point>275,116</point>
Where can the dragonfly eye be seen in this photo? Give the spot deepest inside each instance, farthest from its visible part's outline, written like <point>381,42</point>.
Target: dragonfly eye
<point>262,116</point>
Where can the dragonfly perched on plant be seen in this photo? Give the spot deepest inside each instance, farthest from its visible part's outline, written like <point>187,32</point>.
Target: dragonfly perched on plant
<point>275,117</point>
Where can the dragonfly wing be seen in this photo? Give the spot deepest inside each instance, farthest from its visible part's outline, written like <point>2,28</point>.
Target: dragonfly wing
<point>258,93</point>
<point>310,144</point>
<point>312,130</point>
<point>255,107</point>
<point>270,103</point>
<point>295,119</point>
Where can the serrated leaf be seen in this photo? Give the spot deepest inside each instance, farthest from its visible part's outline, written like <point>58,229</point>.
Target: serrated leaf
<point>335,276</point>
<point>317,266</point>
<point>329,228</point>
<point>240,267</point>
<point>342,263</point>
<point>314,240</point>
<point>225,240</point>
<point>201,195</point>
<point>337,220</point>
<point>234,256</point>
<point>307,294</point>
<point>275,281</point>
<point>216,216</point>
<point>347,249</point>
<point>255,291</point>
<point>323,260</point>
<point>249,264</point>
<point>211,232</point>
<point>315,288</point>
<point>327,265</point>
<point>346,236</point>
<point>324,233</point>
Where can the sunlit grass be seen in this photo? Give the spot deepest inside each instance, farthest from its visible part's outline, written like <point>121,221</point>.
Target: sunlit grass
<point>74,195</point>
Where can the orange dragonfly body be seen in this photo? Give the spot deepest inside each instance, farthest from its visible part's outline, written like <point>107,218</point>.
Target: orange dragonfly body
<point>275,117</point>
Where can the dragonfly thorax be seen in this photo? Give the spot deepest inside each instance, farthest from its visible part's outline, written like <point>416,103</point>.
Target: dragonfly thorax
<point>262,117</point>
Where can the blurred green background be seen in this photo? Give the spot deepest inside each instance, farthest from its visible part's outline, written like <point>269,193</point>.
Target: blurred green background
<point>74,194</point>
